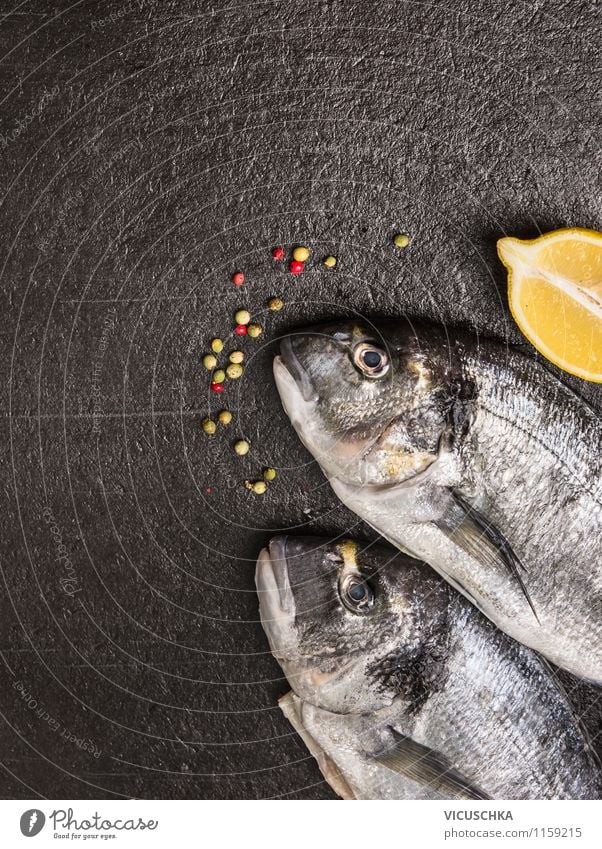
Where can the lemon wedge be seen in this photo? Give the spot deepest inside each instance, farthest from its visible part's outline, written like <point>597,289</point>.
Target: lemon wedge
<point>555,296</point>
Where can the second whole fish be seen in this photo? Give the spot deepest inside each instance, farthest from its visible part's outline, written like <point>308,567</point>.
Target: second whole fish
<point>403,690</point>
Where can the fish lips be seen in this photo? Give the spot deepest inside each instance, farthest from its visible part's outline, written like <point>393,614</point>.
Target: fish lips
<point>291,362</point>
<point>276,601</point>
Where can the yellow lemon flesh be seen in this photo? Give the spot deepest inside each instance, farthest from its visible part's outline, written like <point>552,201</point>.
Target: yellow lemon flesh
<point>555,296</point>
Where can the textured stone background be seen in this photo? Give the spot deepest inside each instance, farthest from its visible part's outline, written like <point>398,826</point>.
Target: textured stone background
<point>148,150</point>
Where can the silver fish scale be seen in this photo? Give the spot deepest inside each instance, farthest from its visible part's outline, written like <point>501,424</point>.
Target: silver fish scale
<point>553,518</point>
<point>518,706</point>
<point>538,409</point>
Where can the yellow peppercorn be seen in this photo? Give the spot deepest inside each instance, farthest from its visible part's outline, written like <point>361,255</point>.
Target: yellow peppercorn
<point>225,417</point>
<point>216,346</point>
<point>218,376</point>
<point>275,304</point>
<point>401,240</point>
<point>236,357</point>
<point>301,253</point>
<point>269,474</point>
<point>242,447</point>
<point>254,330</point>
<point>242,316</point>
<point>209,426</point>
<point>209,361</point>
<point>330,261</point>
<point>234,371</point>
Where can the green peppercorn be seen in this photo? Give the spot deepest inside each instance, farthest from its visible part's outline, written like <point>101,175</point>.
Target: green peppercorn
<point>209,426</point>
<point>254,330</point>
<point>209,361</point>
<point>401,240</point>
<point>219,375</point>
<point>330,261</point>
<point>242,447</point>
<point>242,316</point>
<point>275,304</point>
<point>225,417</point>
<point>234,371</point>
<point>236,357</point>
<point>217,346</point>
<point>269,474</point>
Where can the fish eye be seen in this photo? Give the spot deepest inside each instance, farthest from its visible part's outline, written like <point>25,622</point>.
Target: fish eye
<point>371,359</point>
<point>356,593</point>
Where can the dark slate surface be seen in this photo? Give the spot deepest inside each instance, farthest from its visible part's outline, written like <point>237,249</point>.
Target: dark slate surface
<point>148,150</point>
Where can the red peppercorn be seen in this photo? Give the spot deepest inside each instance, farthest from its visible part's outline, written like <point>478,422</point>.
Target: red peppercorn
<point>278,253</point>
<point>241,329</point>
<point>217,387</point>
<point>238,279</point>
<point>296,267</point>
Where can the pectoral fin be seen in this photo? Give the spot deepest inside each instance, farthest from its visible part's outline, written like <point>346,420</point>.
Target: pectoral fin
<point>427,767</point>
<point>465,526</point>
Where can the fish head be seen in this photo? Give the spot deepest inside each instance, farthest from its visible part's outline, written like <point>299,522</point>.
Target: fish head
<point>369,401</point>
<point>345,621</point>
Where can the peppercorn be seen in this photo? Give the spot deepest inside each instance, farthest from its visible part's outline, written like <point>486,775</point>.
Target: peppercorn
<point>330,261</point>
<point>254,330</point>
<point>238,279</point>
<point>242,447</point>
<point>242,316</point>
<point>209,361</point>
<point>209,426</point>
<point>234,371</point>
<point>278,253</point>
<point>259,487</point>
<point>219,375</point>
<point>236,357</point>
<point>269,474</point>
<point>301,253</point>
<point>296,267</point>
<point>401,240</point>
<point>217,387</point>
<point>241,329</point>
<point>275,304</point>
<point>216,345</point>
<point>224,417</point>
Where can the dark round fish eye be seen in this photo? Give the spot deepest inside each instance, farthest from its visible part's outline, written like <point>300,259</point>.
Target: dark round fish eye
<point>371,359</point>
<point>357,594</point>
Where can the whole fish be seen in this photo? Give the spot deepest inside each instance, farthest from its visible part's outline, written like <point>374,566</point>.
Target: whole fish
<point>402,689</point>
<point>469,455</point>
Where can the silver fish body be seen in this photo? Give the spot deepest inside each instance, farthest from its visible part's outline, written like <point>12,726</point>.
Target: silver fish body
<point>468,455</point>
<point>402,689</point>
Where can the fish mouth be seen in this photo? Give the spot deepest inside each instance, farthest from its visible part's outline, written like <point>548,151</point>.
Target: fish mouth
<point>276,601</point>
<point>291,362</point>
